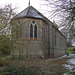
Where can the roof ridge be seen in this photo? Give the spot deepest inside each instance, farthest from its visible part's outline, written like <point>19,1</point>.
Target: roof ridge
<point>28,10</point>
<point>22,11</point>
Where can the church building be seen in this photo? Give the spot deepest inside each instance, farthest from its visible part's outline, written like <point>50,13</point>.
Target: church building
<point>33,35</point>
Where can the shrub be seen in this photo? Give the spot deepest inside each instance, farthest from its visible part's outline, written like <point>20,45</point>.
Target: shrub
<point>5,45</point>
<point>22,71</point>
<point>70,50</point>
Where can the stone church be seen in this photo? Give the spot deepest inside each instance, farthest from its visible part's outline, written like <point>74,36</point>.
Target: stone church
<point>34,35</point>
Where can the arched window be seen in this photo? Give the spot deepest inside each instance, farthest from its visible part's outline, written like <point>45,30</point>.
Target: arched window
<point>35,32</point>
<point>31,31</point>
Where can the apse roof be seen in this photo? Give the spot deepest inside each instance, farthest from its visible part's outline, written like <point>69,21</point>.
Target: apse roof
<point>30,12</point>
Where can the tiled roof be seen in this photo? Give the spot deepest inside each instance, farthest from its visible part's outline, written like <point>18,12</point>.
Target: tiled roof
<point>29,12</point>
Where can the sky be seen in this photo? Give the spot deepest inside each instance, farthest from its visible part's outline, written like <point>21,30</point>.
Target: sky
<point>22,4</point>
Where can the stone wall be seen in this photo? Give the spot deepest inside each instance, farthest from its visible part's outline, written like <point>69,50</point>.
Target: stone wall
<point>30,47</point>
<point>59,43</point>
<point>50,42</point>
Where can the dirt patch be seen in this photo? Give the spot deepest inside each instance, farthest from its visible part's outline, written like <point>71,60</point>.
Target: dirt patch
<point>53,67</point>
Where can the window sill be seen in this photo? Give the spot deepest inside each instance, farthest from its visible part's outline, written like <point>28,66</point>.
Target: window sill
<point>31,38</point>
<point>35,38</point>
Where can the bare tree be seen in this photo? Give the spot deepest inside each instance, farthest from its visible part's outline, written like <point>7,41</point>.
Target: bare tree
<point>65,11</point>
<point>6,13</point>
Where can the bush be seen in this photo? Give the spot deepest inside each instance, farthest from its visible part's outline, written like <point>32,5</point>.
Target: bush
<point>70,50</point>
<point>22,71</point>
<point>5,45</point>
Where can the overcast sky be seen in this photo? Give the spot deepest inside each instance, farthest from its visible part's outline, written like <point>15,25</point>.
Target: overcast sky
<point>22,4</point>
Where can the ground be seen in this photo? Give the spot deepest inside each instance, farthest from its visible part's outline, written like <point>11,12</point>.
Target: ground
<point>57,66</point>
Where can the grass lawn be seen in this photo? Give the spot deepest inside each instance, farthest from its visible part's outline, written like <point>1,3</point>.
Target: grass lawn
<point>33,66</point>
<point>53,67</point>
